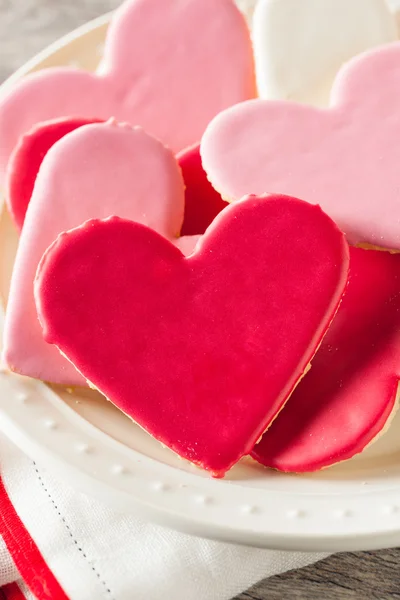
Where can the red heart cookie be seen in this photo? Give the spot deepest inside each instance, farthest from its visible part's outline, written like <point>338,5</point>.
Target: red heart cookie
<point>25,161</point>
<point>346,158</point>
<point>201,351</point>
<point>346,398</point>
<point>202,202</point>
<point>169,67</point>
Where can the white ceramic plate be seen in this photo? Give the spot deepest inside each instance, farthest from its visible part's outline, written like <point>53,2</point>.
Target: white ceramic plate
<point>355,505</point>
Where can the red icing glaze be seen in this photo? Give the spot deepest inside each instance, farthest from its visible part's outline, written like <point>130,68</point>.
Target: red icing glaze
<point>201,351</point>
<point>26,159</point>
<point>202,202</point>
<point>349,393</point>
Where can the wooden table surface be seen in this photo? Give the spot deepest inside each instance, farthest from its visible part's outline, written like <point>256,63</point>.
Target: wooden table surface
<point>27,26</point>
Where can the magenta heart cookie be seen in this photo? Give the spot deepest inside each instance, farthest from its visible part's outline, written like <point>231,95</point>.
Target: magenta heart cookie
<point>169,67</point>
<point>201,351</point>
<point>347,397</point>
<point>25,161</point>
<point>96,171</point>
<point>202,201</point>
<point>344,158</point>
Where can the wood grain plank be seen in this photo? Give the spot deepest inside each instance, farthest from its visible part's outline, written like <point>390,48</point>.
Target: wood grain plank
<point>355,575</point>
<point>28,26</point>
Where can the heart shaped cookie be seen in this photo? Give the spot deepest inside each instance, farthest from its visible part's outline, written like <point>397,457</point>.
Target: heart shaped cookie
<point>202,202</point>
<point>202,351</point>
<point>247,7</point>
<point>300,46</point>
<point>344,158</point>
<point>168,67</point>
<point>347,397</point>
<point>97,171</point>
<point>25,161</point>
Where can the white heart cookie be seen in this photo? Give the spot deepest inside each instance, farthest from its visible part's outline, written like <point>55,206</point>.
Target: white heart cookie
<point>394,6</point>
<point>300,45</point>
<point>247,7</point>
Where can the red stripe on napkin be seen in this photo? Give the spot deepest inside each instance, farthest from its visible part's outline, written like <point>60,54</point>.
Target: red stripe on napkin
<point>11,592</point>
<point>25,554</point>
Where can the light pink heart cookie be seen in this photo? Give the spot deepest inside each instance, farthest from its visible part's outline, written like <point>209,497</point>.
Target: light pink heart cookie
<point>169,67</point>
<point>97,171</point>
<point>345,158</point>
<point>25,161</point>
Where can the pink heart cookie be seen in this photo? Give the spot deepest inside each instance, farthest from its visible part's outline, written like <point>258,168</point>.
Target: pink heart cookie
<point>203,351</point>
<point>96,171</point>
<point>345,158</point>
<point>169,67</point>
<point>202,202</point>
<point>347,397</point>
<point>25,161</point>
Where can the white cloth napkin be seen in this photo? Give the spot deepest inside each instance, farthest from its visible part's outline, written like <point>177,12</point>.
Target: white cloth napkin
<point>8,571</point>
<point>97,553</point>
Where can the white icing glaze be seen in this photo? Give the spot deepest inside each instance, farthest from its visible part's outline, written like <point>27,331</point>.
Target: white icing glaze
<point>300,45</point>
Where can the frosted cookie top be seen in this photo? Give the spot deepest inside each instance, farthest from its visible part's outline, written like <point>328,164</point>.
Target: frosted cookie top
<point>346,399</point>
<point>96,171</point>
<point>300,45</point>
<point>26,159</point>
<point>344,158</point>
<point>193,351</point>
<point>168,67</point>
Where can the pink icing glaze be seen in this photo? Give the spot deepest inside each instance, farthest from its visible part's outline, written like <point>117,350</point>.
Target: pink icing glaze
<point>202,202</point>
<point>344,401</point>
<point>169,67</point>
<point>25,161</point>
<point>96,171</point>
<point>196,349</point>
<point>345,158</point>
